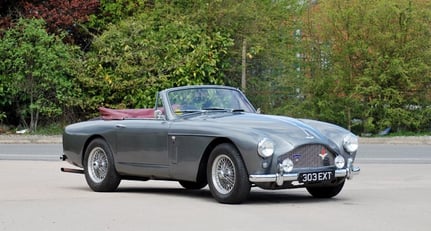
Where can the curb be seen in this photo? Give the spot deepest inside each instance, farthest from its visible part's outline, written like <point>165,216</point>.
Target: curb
<point>57,139</point>
<point>418,140</point>
<point>30,139</point>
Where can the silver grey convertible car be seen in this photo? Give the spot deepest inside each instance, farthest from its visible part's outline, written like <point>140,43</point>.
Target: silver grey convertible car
<point>199,135</point>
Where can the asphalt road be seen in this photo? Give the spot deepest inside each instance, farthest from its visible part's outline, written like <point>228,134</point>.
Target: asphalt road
<point>368,153</point>
<point>30,151</point>
<point>391,193</point>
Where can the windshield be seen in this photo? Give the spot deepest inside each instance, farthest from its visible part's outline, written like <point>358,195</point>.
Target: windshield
<point>191,100</point>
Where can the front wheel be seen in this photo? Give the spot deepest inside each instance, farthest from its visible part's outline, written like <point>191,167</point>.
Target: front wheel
<point>227,176</point>
<point>325,191</point>
<point>99,168</point>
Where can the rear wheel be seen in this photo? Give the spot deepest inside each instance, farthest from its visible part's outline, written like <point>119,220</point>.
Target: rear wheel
<point>325,191</point>
<point>99,168</point>
<point>227,175</point>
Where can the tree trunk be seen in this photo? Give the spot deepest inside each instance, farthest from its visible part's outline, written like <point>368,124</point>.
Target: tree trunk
<point>244,64</point>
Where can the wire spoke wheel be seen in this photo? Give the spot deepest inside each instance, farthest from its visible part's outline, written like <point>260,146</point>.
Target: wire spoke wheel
<point>226,175</point>
<point>223,174</point>
<point>97,164</point>
<point>99,167</point>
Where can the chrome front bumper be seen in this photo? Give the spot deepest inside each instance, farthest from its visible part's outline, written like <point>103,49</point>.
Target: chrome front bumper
<point>280,178</point>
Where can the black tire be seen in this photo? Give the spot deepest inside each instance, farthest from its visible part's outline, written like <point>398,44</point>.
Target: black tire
<point>99,168</point>
<point>192,185</point>
<point>227,176</point>
<point>325,191</point>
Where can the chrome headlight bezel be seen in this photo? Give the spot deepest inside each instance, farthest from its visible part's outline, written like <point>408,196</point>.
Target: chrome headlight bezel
<point>350,143</point>
<point>266,148</point>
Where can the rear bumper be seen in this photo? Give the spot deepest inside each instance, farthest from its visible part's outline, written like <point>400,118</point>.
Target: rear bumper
<point>280,178</point>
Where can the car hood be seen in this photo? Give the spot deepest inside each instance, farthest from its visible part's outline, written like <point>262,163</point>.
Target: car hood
<point>292,130</point>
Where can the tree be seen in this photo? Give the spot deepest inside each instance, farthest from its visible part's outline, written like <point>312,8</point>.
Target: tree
<point>113,11</point>
<point>207,26</point>
<point>148,52</point>
<point>370,60</point>
<point>61,17</point>
<point>35,73</point>
<point>265,32</point>
<point>64,17</point>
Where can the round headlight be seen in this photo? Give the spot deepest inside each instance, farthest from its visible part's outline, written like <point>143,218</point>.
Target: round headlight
<point>265,148</point>
<point>350,143</point>
<point>339,162</point>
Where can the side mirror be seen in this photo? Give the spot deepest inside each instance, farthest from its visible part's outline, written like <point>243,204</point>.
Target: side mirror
<point>258,111</point>
<point>158,114</point>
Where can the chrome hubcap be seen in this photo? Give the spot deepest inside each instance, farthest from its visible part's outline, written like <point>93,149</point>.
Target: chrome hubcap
<point>223,174</point>
<point>97,164</point>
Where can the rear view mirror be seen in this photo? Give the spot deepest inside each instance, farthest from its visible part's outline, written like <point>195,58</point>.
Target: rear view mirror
<point>158,114</point>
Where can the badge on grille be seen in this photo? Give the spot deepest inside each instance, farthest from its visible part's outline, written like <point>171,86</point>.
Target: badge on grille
<point>296,157</point>
<point>323,153</point>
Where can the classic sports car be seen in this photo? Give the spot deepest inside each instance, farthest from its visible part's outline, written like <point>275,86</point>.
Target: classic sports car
<point>199,135</point>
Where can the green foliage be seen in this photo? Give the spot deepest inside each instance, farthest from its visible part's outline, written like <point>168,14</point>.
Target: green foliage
<point>362,64</point>
<point>50,129</point>
<point>154,50</point>
<point>267,29</point>
<point>113,11</point>
<point>2,116</point>
<point>34,73</point>
<point>378,63</point>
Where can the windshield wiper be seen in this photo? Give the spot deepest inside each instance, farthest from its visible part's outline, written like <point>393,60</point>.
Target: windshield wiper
<point>189,111</point>
<point>238,110</point>
<point>214,109</point>
<point>223,109</point>
<point>184,113</point>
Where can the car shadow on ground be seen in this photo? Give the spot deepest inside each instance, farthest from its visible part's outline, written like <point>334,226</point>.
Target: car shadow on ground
<point>284,196</point>
<point>255,196</point>
<point>177,192</point>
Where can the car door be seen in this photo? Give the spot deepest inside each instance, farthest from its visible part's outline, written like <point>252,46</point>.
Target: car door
<point>142,148</point>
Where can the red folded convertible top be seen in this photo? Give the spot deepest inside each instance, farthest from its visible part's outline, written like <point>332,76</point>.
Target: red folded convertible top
<point>120,114</point>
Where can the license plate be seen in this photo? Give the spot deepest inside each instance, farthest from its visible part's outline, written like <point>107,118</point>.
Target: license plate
<point>314,177</point>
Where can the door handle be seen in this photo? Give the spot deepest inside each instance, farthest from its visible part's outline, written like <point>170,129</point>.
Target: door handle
<point>120,126</point>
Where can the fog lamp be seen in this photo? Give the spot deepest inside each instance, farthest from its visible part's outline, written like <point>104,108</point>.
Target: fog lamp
<point>339,162</point>
<point>287,165</point>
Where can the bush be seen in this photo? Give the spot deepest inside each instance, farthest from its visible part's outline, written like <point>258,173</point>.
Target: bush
<point>35,74</point>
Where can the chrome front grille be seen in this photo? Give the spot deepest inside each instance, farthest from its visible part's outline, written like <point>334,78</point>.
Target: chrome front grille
<point>309,156</point>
